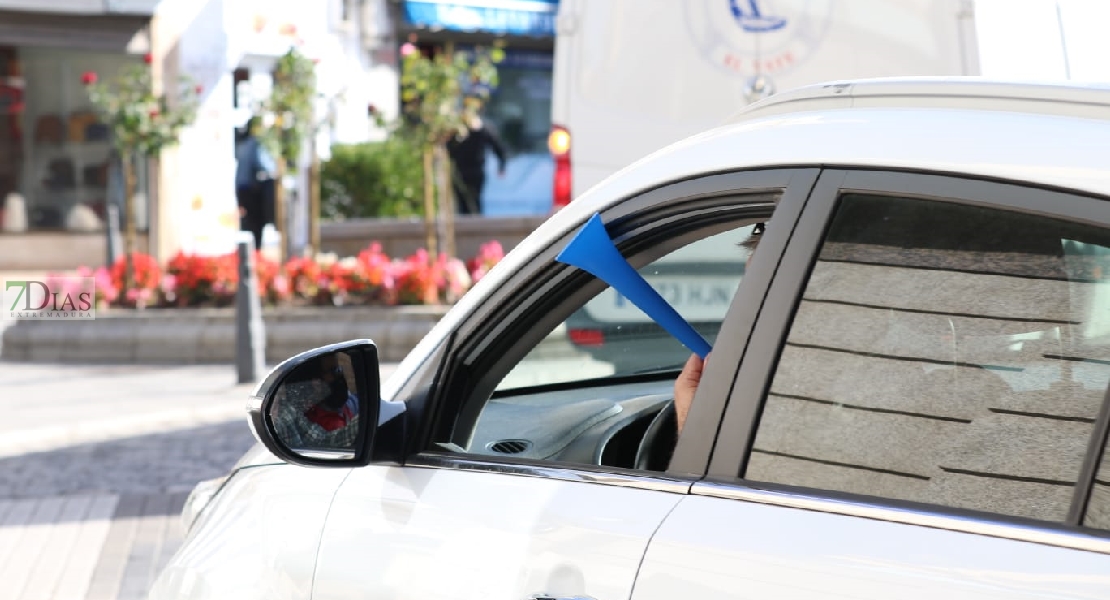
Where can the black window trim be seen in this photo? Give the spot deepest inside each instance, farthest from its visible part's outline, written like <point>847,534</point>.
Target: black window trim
<point>745,404</point>
<point>639,213</point>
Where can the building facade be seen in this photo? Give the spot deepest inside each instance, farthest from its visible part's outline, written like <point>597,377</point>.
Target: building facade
<point>59,177</point>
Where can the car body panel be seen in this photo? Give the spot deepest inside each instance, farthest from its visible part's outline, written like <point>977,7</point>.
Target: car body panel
<point>257,540</point>
<point>723,548</point>
<point>424,533</point>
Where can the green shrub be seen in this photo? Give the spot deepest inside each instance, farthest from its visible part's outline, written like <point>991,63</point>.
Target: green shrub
<point>375,179</point>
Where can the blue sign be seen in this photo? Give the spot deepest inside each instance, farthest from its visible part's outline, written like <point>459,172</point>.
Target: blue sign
<point>505,17</point>
<point>750,17</point>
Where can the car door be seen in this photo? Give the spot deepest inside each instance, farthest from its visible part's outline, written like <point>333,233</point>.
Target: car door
<point>523,480</point>
<point>922,410</point>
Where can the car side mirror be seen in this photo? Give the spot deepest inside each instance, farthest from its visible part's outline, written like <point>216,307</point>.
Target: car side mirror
<point>320,408</point>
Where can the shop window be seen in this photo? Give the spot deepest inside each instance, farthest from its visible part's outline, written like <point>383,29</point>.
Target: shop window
<point>520,107</point>
<point>55,152</point>
<point>11,116</point>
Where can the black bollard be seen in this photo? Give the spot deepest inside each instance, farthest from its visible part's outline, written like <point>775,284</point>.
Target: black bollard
<point>250,331</point>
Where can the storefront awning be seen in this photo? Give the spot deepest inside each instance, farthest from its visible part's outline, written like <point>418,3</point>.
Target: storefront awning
<point>504,17</point>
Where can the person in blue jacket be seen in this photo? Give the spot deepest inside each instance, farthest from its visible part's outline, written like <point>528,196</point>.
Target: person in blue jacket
<point>254,182</point>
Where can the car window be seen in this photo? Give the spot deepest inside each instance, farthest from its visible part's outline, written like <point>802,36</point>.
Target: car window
<point>591,389</point>
<point>1098,509</point>
<point>610,336</point>
<point>943,353</point>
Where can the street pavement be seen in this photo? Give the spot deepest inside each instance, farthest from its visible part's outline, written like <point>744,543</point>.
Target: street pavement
<point>95,466</point>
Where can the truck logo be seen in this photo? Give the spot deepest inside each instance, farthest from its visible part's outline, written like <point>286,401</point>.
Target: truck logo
<point>758,37</point>
<point>751,18</point>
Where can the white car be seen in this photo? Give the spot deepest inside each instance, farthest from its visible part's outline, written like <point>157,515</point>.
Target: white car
<point>906,397</point>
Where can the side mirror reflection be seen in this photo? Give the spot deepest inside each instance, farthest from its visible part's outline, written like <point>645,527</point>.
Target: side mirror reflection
<point>317,406</point>
<point>320,407</point>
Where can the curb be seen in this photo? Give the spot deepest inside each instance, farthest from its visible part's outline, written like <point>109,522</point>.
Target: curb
<point>207,336</point>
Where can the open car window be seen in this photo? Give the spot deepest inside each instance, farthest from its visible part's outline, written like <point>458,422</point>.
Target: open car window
<point>610,337</point>
<point>590,391</point>
<point>566,370</point>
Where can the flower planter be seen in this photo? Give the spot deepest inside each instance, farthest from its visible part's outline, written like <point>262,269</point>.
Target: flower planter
<point>207,336</point>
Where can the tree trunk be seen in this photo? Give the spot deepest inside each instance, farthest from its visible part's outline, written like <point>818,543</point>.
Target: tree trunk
<point>429,201</point>
<point>446,206</point>
<point>314,201</point>
<point>130,237</point>
<point>279,208</point>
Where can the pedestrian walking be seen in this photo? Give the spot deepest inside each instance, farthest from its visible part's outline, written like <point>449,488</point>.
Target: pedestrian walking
<point>468,158</point>
<point>254,182</point>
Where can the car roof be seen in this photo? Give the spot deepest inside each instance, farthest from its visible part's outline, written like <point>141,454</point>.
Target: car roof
<point>972,128</point>
<point>1088,100</point>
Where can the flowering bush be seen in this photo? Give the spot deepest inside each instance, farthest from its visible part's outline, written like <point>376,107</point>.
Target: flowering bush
<point>273,283</point>
<point>489,254</point>
<point>106,291</point>
<point>370,278</point>
<point>202,280</point>
<point>146,281</point>
<point>304,276</point>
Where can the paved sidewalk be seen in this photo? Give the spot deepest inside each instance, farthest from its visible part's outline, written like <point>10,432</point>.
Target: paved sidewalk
<point>95,465</point>
<point>48,406</point>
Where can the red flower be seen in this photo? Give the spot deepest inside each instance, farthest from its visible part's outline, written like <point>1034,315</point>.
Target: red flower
<point>153,112</point>
<point>88,77</point>
<point>147,278</point>
<point>304,276</point>
<point>375,264</point>
<point>148,58</point>
<point>489,254</point>
<point>204,279</point>
<point>416,279</point>
<point>199,89</point>
<point>272,284</point>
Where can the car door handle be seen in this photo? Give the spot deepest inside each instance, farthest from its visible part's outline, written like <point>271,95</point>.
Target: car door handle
<point>551,597</point>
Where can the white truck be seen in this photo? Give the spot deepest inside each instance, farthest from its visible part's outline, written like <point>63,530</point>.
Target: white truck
<point>632,76</point>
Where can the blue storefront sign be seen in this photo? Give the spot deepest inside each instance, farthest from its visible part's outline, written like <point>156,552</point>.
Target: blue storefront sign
<point>502,17</point>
